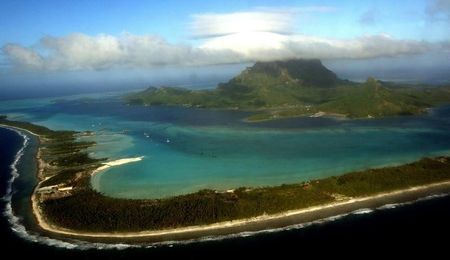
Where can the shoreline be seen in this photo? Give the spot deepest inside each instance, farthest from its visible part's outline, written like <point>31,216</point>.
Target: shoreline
<point>107,165</point>
<point>34,204</point>
<point>273,221</point>
<point>19,129</point>
<point>260,223</point>
<point>320,114</point>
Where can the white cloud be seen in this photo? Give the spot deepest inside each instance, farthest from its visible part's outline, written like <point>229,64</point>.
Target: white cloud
<point>23,57</point>
<point>270,46</point>
<point>358,48</point>
<point>262,34</point>
<point>262,19</point>
<point>84,52</point>
<point>80,51</point>
<point>211,25</point>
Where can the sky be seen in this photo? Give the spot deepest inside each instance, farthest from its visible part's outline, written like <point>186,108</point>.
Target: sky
<point>65,43</point>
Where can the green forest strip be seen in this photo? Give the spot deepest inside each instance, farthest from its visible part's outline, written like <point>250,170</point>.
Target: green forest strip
<point>84,209</point>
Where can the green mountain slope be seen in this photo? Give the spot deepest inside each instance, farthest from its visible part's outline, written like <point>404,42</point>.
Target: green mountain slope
<point>299,88</point>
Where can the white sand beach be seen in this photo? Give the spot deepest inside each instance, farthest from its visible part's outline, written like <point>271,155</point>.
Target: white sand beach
<point>118,162</point>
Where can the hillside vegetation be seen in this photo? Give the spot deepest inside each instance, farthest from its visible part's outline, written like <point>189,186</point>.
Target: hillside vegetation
<point>300,88</point>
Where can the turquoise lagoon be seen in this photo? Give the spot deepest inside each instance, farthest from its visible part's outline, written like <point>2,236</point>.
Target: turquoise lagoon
<point>188,149</point>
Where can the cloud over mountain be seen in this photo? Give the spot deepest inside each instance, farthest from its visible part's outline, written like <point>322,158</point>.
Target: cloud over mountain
<point>84,52</point>
<point>269,46</point>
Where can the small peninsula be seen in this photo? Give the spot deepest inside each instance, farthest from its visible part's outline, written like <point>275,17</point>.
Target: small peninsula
<point>300,87</point>
<point>65,203</point>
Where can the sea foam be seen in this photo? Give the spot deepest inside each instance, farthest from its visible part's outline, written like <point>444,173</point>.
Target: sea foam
<point>16,222</point>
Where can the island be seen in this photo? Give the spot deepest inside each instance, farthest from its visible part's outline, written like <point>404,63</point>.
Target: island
<point>64,202</point>
<point>300,87</point>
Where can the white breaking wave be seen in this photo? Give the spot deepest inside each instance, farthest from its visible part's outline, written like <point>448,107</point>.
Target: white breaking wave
<point>20,230</point>
<point>362,211</point>
<point>388,206</point>
<point>14,171</point>
<point>396,205</point>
